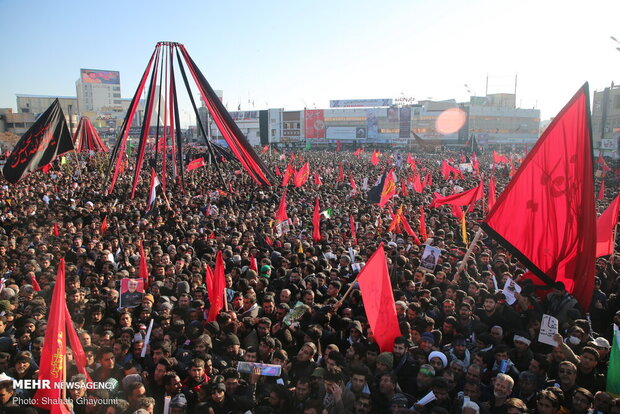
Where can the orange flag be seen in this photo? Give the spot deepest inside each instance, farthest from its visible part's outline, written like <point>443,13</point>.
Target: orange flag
<point>378,299</point>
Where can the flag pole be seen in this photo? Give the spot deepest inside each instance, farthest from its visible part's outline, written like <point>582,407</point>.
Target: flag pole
<point>469,251</point>
<point>341,300</point>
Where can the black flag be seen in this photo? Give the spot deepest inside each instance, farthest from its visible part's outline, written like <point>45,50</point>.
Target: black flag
<point>47,139</point>
<point>374,194</point>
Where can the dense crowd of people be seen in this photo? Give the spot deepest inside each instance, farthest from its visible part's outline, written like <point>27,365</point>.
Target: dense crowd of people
<point>461,343</point>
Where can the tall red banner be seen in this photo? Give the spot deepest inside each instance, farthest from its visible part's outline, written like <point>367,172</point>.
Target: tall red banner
<point>546,216</point>
<point>315,123</point>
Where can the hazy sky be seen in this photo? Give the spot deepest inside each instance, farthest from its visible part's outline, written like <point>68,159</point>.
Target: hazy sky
<point>293,54</point>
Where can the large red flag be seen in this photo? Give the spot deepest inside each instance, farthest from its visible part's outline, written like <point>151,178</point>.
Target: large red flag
<point>316,222</point>
<point>546,215</point>
<point>53,356</point>
<point>376,288</point>
<point>465,198</point>
<point>389,189</point>
<point>492,193</point>
<point>143,270</point>
<point>403,188</point>
<point>302,175</point>
<point>216,296</point>
<point>605,225</point>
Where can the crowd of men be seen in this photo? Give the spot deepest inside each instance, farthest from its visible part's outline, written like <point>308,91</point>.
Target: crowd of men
<point>460,339</point>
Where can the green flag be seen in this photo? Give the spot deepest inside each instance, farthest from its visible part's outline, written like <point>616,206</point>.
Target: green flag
<point>613,370</point>
<point>329,213</point>
<point>308,145</point>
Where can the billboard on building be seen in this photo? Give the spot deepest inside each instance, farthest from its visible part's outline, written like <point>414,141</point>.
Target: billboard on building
<point>107,77</point>
<point>315,123</point>
<point>372,124</point>
<point>345,132</point>
<point>359,103</point>
<point>405,122</point>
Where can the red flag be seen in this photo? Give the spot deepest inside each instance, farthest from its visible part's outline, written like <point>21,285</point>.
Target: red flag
<point>601,192</point>
<point>389,189</point>
<point>352,225</point>
<point>352,181</point>
<point>338,146</point>
<point>143,270</point>
<point>56,230</point>
<point>290,171</point>
<point>409,230</point>
<point>340,173</point>
<point>492,193</point>
<point>396,221</point>
<point>53,356</point>
<point>281,215</point>
<point>417,185</point>
<point>265,149</point>
<point>605,225</point>
<point>278,173</point>
<point>253,263</point>
<point>292,156</point>
<point>35,284</point>
<point>376,289</point>
<point>375,158</point>
<point>104,226</point>
<point>465,198</point>
<point>410,161</point>
<point>316,222</point>
<point>216,296</point>
<point>302,175</point>
<point>358,152</point>
<point>197,163</point>
<point>79,356</point>
<point>601,163</point>
<point>403,188</point>
<point>423,232</point>
<point>475,163</point>
<point>317,179</point>
<point>546,214</point>
<point>46,168</point>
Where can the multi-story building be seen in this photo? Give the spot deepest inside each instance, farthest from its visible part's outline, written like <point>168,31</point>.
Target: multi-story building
<point>606,121</point>
<point>37,104</point>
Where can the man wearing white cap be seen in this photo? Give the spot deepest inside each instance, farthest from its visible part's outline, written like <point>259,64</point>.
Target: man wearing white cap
<point>521,355</point>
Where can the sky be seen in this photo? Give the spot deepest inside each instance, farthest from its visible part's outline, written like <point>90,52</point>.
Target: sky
<point>296,54</point>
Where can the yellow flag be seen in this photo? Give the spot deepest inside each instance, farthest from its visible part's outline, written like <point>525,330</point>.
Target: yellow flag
<point>464,230</point>
<point>63,160</point>
<point>301,248</point>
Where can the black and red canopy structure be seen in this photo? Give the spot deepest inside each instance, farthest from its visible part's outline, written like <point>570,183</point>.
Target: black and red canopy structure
<point>86,138</point>
<point>168,60</point>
